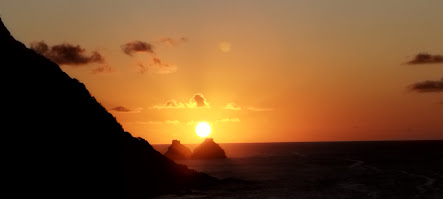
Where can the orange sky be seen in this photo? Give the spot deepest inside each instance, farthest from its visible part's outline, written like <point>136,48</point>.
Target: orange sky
<point>258,71</point>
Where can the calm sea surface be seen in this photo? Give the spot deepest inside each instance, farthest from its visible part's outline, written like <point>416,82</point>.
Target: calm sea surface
<point>392,169</point>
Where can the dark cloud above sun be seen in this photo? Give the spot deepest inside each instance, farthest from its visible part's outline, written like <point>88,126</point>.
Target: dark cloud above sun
<point>198,101</point>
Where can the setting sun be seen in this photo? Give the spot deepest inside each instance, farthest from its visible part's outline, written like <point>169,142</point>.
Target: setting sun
<point>203,129</point>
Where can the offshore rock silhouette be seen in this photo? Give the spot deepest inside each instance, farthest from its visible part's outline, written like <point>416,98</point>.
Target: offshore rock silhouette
<point>61,142</point>
<point>208,149</point>
<point>178,151</point>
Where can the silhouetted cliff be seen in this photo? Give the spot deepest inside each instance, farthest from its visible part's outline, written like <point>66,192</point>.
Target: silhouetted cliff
<point>61,142</point>
<point>178,151</point>
<point>208,149</point>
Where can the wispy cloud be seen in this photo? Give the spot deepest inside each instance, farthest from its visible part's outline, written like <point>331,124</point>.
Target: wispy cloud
<point>120,109</point>
<point>172,41</point>
<point>197,101</point>
<point>169,104</point>
<point>228,120</point>
<point>223,120</point>
<point>67,54</point>
<point>157,66</point>
<point>252,108</point>
<point>427,86</point>
<point>425,58</point>
<point>102,69</point>
<point>142,68</point>
<point>232,106</point>
<point>173,122</point>
<point>154,63</point>
<point>192,122</point>
<point>125,109</point>
<point>161,67</point>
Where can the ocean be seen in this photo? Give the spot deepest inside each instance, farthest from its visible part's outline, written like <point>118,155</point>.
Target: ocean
<point>375,169</point>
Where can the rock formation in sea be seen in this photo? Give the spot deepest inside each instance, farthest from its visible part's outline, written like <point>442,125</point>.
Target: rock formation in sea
<point>208,149</point>
<point>60,142</point>
<point>178,151</point>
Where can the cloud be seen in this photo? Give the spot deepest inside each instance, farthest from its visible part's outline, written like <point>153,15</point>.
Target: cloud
<point>137,46</point>
<point>125,110</point>
<point>102,69</point>
<point>154,64</point>
<point>171,41</point>
<point>427,86</point>
<point>198,101</point>
<point>229,120</point>
<point>169,104</point>
<point>232,106</point>
<point>67,54</point>
<point>251,108</point>
<point>160,67</point>
<point>120,109</point>
<point>190,123</point>
<point>425,58</point>
<point>174,122</point>
<point>142,68</point>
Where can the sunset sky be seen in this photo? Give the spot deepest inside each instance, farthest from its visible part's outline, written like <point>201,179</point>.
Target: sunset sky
<point>256,70</point>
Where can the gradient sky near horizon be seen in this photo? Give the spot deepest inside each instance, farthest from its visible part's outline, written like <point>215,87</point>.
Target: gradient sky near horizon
<point>256,70</point>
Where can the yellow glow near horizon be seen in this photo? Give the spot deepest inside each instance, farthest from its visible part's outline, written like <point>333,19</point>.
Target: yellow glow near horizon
<point>203,129</point>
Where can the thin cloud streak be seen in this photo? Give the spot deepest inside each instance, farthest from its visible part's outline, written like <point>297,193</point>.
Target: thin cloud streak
<point>427,86</point>
<point>101,69</point>
<point>171,41</point>
<point>232,106</point>
<point>251,108</point>
<point>229,120</point>
<point>173,122</point>
<point>171,104</point>
<point>125,109</point>
<point>425,58</point>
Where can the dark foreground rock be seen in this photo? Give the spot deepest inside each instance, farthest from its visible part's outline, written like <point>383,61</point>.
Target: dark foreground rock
<point>208,149</point>
<point>60,142</point>
<point>178,151</point>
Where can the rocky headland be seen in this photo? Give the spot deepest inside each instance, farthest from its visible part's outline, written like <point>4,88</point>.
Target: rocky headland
<point>178,151</point>
<point>208,149</point>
